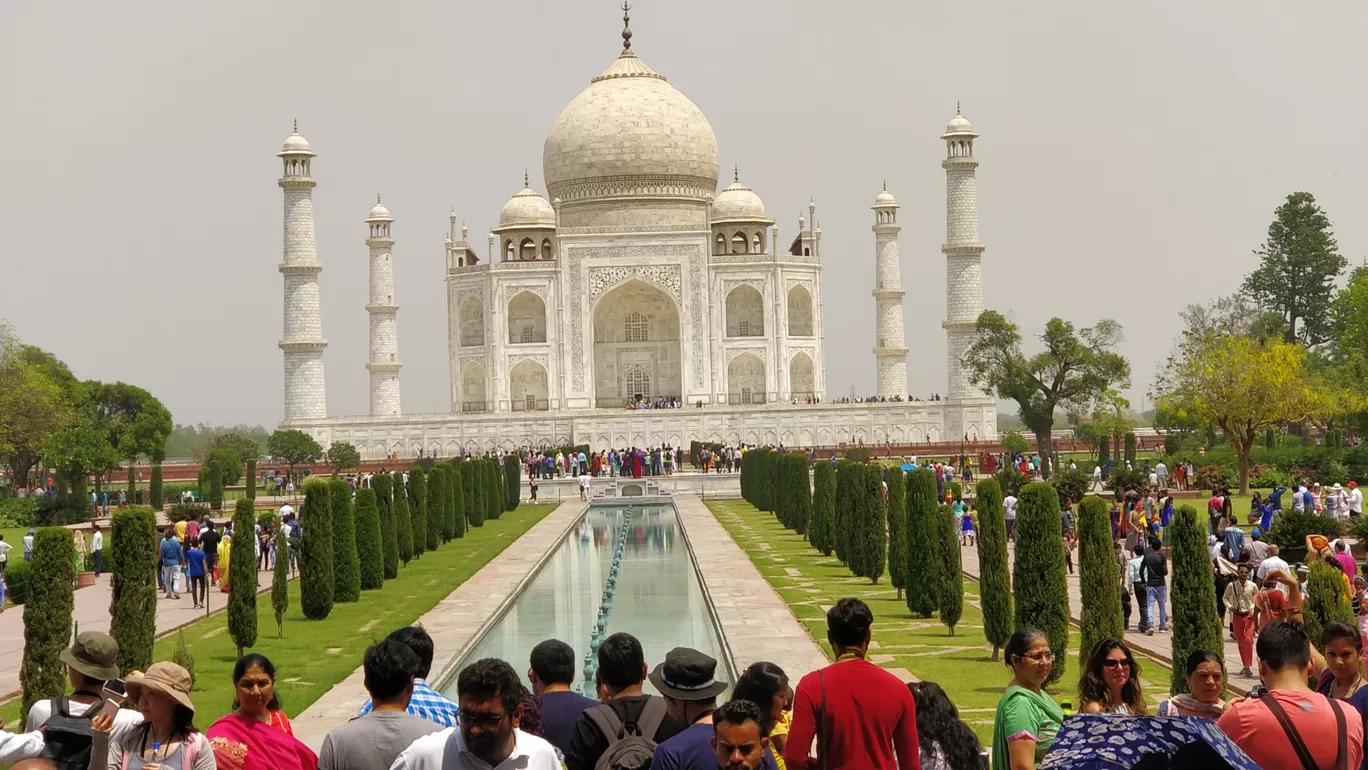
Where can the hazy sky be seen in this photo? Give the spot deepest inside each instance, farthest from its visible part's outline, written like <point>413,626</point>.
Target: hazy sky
<point>1132,155</point>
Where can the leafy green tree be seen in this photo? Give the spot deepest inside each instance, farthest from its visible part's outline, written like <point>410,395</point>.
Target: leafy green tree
<point>295,447</point>
<point>403,520</point>
<point>951,605</point>
<point>133,585</point>
<point>871,537</point>
<point>316,574</point>
<point>280,587</point>
<point>223,467</point>
<point>473,487</point>
<point>458,499</point>
<point>1298,266</point>
<point>1130,447</point>
<point>1325,600</point>
<point>418,509</point>
<point>1097,577</point>
<point>238,440</point>
<point>896,510</point>
<point>438,526</point>
<point>513,482</point>
<point>37,394</point>
<point>343,457</point>
<point>1073,370</point>
<point>242,581</point>
<point>1015,443</point>
<point>132,420</point>
<point>1039,572</point>
<point>368,541</point>
<point>346,567</point>
<point>493,489</point>
<point>47,615</point>
<point>251,478</point>
<point>995,586</point>
<point>924,563</point>
<point>822,532</point>
<point>1192,593</point>
<point>389,537</point>
<point>77,452</point>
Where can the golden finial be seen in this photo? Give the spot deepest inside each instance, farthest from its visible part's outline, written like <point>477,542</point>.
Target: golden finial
<point>626,27</point>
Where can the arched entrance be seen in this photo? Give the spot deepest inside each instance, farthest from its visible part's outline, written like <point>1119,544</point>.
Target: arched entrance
<point>745,312</point>
<point>472,322</point>
<point>746,380</point>
<point>473,388</point>
<point>799,312</point>
<point>526,319</point>
<point>801,381</point>
<point>636,345</point>
<point>527,387</point>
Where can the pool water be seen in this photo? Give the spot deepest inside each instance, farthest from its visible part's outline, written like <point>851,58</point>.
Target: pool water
<point>655,597</point>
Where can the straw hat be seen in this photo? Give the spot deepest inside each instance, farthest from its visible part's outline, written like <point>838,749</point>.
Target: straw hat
<point>166,678</point>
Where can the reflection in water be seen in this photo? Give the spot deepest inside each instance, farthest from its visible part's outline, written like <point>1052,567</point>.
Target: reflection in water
<point>656,595</point>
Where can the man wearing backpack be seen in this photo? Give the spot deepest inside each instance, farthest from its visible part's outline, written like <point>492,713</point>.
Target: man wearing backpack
<point>623,733</point>
<point>91,661</point>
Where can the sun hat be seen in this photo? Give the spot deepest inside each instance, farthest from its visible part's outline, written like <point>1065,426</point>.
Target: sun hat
<point>164,677</point>
<point>94,654</point>
<point>1337,487</point>
<point>687,674</point>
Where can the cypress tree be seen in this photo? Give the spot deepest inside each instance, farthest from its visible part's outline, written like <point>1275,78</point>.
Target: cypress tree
<point>133,584</point>
<point>493,486</point>
<point>951,605</point>
<point>995,583</point>
<point>346,567</point>
<point>418,509</point>
<point>800,492</point>
<point>471,480</point>
<point>924,562</point>
<point>389,539</point>
<point>763,489</point>
<point>823,507</point>
<point>747,472</point>
<point>47,615</point>
<point>280,589</point>
<point>1192,592</point>
<point>154,495</point>
<point>242,580</point>
<point>132,483</point>
<point>251,478</point>
<point>1038,574</point>
<point>437,495</point>
<point>403,520</point>
<point>513,480</point>
<point>845,505</point>
<point>872,536</point>
<point>215,489</point>
<point>369,553</point>
<point>316,576</point>
<point>1324,602</point>
<point>458,500</point>
<point>1098,580</point>
<point>1130,447</point>
<point>896,511</point>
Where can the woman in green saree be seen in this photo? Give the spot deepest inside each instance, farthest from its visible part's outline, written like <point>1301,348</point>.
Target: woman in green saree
<point>1027,718</point>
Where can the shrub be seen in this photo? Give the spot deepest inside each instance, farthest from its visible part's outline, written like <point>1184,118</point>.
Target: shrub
<point>924,563</point>
<point>389,538</point>
<point>857,454</point>
<point>823,508</point>
<point>18,512</point>
<point>1098,580</point>
<point>1268,477</point>
<point>242,580</point>
<point>280,586</point>
<point>493,489</point>
<point>1070,485</point>
<point>437,504</point>
<point>951,605</point>
<point>47,615</point>
<point>1038,572</point>
<point>871,537</point>
<point>316,576</point>
<point>18,578</point>
<point>216,491</point>
<point>1289,530</point>
<point>346,568</point>
<point>1122,479</point>
<point>513,481</point>
<point>458,500</point>
<point>154,487</point>
<point>1326,600</point>
<point>251,478</point>
<point>403,521</point>
<point>132,565</point>
<point>1196,626</point>
<point>1130,447</point>
<point>896,513</point>
<point>418,509</point>
<point>187,512</point>
<point>1213,476</point>
<point>1010,478</point>
<point>1015,443</point>
<point>369,554</point>
<point>182,657</point>
<point>474,492</point>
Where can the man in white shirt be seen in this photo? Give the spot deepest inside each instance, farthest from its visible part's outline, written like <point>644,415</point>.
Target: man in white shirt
<point>1355,500</point>
<point>96,549</point>
<point>1299,498</point>
<point>584,486</point>
<point>1161,471</point>
<point>286,510</point>
<point>1009,513</point>
<point>490,696</point>
<point>5,548</point>
<point>1097,478</point>
<point>1274,563</point>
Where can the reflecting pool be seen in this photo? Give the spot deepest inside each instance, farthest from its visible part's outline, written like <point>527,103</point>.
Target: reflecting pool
<point>653,594</point>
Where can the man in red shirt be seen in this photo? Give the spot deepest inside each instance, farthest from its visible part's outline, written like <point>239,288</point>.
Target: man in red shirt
<point>860,714</point>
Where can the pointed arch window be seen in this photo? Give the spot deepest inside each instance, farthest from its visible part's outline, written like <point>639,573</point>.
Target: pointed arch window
<point>635,327</point>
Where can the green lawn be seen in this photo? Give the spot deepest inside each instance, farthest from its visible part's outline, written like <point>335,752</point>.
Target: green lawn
<point>315,655</point>
<point>962,664</point>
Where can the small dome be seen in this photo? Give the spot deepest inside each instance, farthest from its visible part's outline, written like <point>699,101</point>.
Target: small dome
<point>379,212</point>
<point>738,202</point>
<point>295,143</point>
<point>959,126</point>
<point>885,198</point>
<point>527,209</point>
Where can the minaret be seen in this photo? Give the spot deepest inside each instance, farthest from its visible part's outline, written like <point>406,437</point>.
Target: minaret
<point>306,395</point>
<point>384,328</point>
<point>890,352</point>
<point>963,254</point>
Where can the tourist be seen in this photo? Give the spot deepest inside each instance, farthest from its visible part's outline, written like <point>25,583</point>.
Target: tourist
<point>739,741</point>
<point>687,680</point>
<point>1355,500</point>
<point>1027,719</point>
<point>1009,513</point>
<point>426,702</point>
<point>488,737</point>
<point>945,741</point>
<point>1156,574</point>
<point>966,523</point>
<point>1342,675</point>
<point>1259,549</point>
<point>766,685</point>
<point>621,669</point>
<point>209,543</point>
<point>376,740</point>
<point>166,738</point>
<point>28,546</point>
<point>195,568</point>
<point>532,488</point>
<point>867,714</point>
<point>1239,597</point>
<point>256,735</point>
<point>96,551</point>
<point>584,486</point>
<point>1122,570</point>
<point>1316,725</point>
<point>1110,681</point>
<point>5,548</point>
<point>1205,681</point>
<point>91,660</point>
<point>23,748</point>
<point>1135,577</point>
<point>1344,560</point>
<point>1272,563</point>
<point>551,672</point>
<point>171,557</point>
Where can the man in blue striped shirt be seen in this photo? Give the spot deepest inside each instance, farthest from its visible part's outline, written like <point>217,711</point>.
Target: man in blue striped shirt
<point>426,703</point>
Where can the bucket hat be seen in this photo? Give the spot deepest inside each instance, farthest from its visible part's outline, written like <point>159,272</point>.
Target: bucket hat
<point>164,677</point>
<point>94,654</point>
<point>687,674</point>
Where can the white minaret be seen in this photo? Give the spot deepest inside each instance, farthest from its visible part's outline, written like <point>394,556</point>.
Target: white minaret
<point>383,363</point>
<point>306,396</point>
<point>963,254</point>
<point>890,352</point>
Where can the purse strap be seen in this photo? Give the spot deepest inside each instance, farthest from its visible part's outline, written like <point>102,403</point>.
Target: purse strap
<point>822,725</point>
<point>1299,745</point>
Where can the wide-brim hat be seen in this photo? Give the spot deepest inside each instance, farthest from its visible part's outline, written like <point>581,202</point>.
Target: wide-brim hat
<point>94,654</point>
<point>1338,487</point>
<point>687,674</point>
<point>169,679</point>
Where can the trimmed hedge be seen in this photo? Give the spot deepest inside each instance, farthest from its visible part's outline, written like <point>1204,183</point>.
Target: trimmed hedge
<point>1098,580</point>
<point>870,538</point>
<point>924,563</point>
<point>389,538</point>
<point>473,488</point>
<point>418,509</point>
<point>403,521</point>
<point>370,553</point>
<point>346,568</point>
<point>47,615</point>
<point>458,500</point>
<point>493,489</point>
<point>242,579</point>
<point>951,605</point>
<point>896,511</point>
<point>437,505</point>
<point>251,479</point>
<point>1192,593</point>
<point>513,481</point>
<point>133,584</point>
<point>1325,600</point>
<point>1039,571</point>
<point>822,532</point>
<point>280,586</point>
<point>316,575</point>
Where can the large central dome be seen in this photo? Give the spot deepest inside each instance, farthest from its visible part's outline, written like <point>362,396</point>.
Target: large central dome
<point>630,133</point>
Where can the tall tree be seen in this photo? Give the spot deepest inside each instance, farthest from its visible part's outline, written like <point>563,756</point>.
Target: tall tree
<point>295,447</point>
<point>951,601</point>
<point>1038,572</point>
<point>280,588</point>
<point>871,534</point>
<point>493,489</point>
<point>133,586</point>
<point>823,507</point>
<point>132,420</point>
<point>438,526</point>
<point>1325,600</point>
<point>845,507</point>
<point>1298,266</point>
<point>78,452</point>
<point>47,615</point>
<point>403,520</point>
<point>1098,579</point>
<point>924,562</point>
<point>316,574</point>
<point>346,566</point>
<point>389,537</point>
<point>1073,370</point>
<point>343,457</point>
<point>513,482</point>
<point>995,581</point>
<point>896,512</point>
<point>369,549</point>
<point>242,581</point>
<point>37,400</point>
<point>418,509</point>
<point>458,500</point>
<point>1196,626</point>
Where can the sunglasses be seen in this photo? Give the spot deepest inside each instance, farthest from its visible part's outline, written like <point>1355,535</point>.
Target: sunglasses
<point>1109,663</point>
<point>486,721</point>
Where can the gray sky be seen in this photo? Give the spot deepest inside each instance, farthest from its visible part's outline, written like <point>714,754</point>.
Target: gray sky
<point>1132,156</point>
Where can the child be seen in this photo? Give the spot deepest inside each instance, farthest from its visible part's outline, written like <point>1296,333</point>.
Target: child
<point>4,592</point>
<point>1070,543</point>
<point>966,524</point>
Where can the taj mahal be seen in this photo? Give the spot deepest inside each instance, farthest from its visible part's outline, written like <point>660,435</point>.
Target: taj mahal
<point>630,283</point>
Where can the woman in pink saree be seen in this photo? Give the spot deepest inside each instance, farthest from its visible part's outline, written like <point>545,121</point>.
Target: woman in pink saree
<point>257,735</point>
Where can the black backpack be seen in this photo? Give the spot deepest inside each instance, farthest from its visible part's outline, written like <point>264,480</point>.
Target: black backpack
<point>630,744</point>
<point>67,737</point>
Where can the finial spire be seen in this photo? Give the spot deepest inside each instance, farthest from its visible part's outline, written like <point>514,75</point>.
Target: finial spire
<point>626,27</point>
<point>377,199</point>
<point>957,108</point>
<point>296,125</point>
<point>525,184</point>
<point>736,173</point>
<point>885,185</point>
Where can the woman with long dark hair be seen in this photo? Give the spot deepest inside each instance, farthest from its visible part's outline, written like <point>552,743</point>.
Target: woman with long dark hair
<point>1027,718</point>
<point>947,743</point>
<point>256,735</point>
<point>1110,681</point>
<point>767,686</point>
<point>1205,681</point>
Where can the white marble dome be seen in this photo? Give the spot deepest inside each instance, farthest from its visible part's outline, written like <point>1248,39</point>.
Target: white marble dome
<point>738,202</point>
<point>885,198</point>
<point>630,132</point>
<point>379,212</point>
<point>958,125</point>
<point>527,209</point>
<point>295,143</point>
